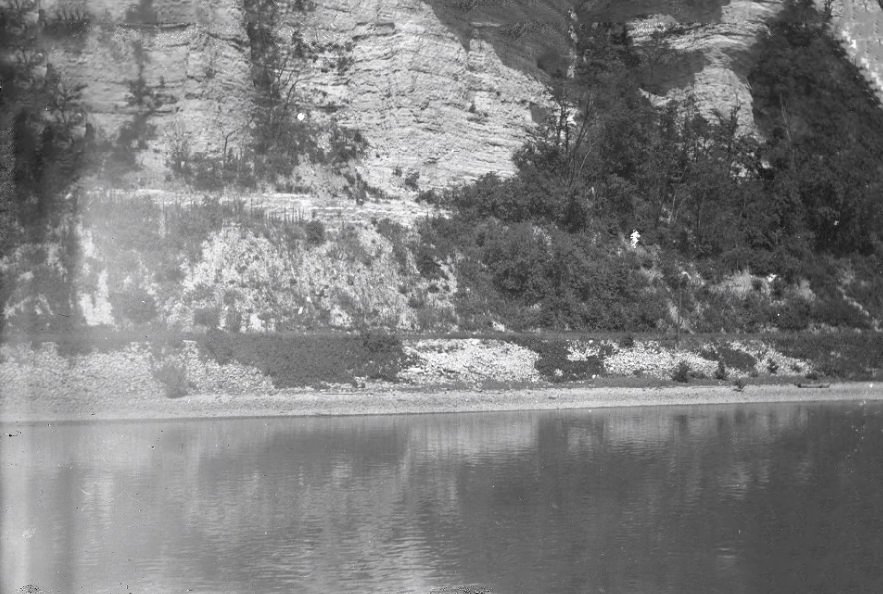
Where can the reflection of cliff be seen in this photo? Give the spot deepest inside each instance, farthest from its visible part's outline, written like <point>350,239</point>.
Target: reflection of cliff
<point>623,500</point>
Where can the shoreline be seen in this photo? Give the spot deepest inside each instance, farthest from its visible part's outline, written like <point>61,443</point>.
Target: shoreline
<point>384,402</point>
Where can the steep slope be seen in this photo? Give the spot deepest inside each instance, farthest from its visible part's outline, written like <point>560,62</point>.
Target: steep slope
<point>193,55</point>
<point>441,91</point>
<point>424,103</point>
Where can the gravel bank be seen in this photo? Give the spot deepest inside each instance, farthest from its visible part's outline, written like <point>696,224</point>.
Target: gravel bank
<point>93,406</point>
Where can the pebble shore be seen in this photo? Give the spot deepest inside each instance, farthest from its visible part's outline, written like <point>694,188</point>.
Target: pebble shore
<point>87,407</point>
<point>466,375</point>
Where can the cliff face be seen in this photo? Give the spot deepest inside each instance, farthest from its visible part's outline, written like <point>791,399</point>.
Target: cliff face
<point>196,59</point>
<point>860,25</point>
<point>423,101</point>
<point>442,91</point>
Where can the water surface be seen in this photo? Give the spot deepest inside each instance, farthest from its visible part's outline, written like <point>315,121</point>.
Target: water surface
<point>761,498</point>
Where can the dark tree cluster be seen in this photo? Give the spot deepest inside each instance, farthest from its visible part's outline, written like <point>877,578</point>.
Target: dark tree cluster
<point>548,242</point>
<point>43,114</point>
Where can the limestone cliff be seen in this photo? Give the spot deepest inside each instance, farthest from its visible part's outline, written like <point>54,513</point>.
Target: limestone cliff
<point>442,91</point>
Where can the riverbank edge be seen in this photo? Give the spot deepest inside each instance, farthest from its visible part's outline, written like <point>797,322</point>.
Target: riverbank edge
<point>322,403</point>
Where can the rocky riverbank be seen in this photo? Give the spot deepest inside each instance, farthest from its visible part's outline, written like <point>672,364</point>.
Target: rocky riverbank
<point>144,380</point>
<point>94,406</point>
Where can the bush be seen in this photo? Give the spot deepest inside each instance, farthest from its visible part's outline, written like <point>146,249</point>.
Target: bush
<point>730,313</point>
<point>733,358</point>
<point>173,378</point>
<point>709,353</point>
<point>136,306</point>
<point>681,373</point>
<point>233,320</point>
<point>721,372</point>
<point>426,264</point>
<point>380,342</point>
<point>837,312</point>
<point>793,316</point>
<point>411,180</point>
<point>396,234</point>
<point>315,232</point>
<point>554,365</point>
<point>851,356</point>
<point>210,317</point>
<point>383,356</point>
<point>293,361</point>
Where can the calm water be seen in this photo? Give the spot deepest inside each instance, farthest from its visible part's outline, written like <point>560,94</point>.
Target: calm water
<point>770,498</point>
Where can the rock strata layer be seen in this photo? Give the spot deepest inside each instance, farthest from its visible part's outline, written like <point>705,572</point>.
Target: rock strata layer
<point>442,91</point>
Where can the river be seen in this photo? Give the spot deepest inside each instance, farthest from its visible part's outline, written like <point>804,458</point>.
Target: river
<point>738,498</point>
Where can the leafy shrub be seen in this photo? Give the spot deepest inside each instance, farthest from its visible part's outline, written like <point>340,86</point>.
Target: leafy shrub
<point>173,378</point>
<point>233,320</point>
<point>838,312</point>
<point>395,233</point>
<point>426,264</point>
<point>380,342</point>
<point>777,289</point>
<point>417,301</point>
<point>411,180</point>
<point>681,373</point>
<point>315,232</point>
<point>731,313</point>
<point>136,305</point>
<point>384,355</point>
<point>721,372</point>
<point>792,316</point>
<point>867,289</point>
<point>68,22</point>
<point>554,365</point>
<point>733,358</point>
<point>851,356</point>
<point>210,317</point>
<point>709,353</point>
<point>306,360</point>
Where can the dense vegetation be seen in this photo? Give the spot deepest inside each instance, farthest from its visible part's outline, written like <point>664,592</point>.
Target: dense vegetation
<point>548,247</point>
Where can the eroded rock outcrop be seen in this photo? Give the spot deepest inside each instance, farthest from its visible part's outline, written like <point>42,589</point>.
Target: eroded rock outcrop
<point>441,91</point>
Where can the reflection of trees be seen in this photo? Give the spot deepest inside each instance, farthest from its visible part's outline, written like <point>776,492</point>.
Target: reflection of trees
<point>639,500</point>
<point>628,500</point>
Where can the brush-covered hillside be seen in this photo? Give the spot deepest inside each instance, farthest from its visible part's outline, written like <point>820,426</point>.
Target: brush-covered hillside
<point>645,175</point>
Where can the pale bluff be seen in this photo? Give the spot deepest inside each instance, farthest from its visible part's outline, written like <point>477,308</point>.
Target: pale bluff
<point>443,90</point>
<point>446,89</point>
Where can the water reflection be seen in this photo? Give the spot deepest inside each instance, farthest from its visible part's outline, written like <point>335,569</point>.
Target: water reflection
<point>735,499</point>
